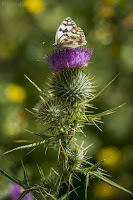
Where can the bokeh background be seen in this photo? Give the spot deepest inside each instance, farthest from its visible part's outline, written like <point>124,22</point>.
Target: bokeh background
<point>27,31</point>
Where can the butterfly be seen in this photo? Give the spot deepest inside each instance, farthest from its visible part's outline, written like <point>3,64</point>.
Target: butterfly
<point>69,36</point>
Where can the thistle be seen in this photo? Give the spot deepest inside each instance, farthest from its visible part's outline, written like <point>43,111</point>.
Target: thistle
<point>65,111</point>
<point>59,60</point>
<point>16,190</point>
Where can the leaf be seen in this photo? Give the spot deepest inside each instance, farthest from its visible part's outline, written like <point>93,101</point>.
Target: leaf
<point>86,185</point>
<point>50,195</point>
<point>64,197</point>
<point>26,179</point>
<point>103,89</point>
<point>94,123</point>
<point>11,178</point>
<point>59,183</point>
<point>26,146</point>
<point>24,193</point>
<point>39,134</point>
<point>106,180</point>
<point>35,85</point>
<point>107,112</point>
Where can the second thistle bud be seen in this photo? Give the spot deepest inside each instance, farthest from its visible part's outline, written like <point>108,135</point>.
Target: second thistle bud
<point>48,111</point>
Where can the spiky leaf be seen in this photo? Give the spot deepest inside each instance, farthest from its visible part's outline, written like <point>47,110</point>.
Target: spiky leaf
<point>106,180</point>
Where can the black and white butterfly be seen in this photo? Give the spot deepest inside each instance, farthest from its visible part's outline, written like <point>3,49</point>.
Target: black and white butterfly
<point>69,36</point>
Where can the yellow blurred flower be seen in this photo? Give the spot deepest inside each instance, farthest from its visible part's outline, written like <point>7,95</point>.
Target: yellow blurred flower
<point>103,190</point>
<point>106,11</point>
<point>112,156</point>
<point>34,6</point>
<point>15,93</point>
<point>110,2</point>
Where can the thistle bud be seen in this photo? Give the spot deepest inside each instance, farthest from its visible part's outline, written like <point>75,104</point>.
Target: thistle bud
<point>71,86</point>
<point>48,111</point>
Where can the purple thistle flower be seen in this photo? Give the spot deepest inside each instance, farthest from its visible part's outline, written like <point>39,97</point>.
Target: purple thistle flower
<point>59,60</point>
<point>16,191</point>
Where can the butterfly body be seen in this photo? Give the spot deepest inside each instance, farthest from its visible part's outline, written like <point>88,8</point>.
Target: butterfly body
<point>69,36</point>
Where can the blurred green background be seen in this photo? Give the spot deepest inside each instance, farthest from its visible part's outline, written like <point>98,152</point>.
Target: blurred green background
<point>27,31</point>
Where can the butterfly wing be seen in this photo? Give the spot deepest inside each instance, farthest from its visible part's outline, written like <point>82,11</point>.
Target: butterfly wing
<point>68,35</point>
<point>64,27</point>
<point>72,39</point>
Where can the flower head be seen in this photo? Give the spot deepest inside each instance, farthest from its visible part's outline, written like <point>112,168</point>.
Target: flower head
<point>59,60</point>
<point>16,191</point>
